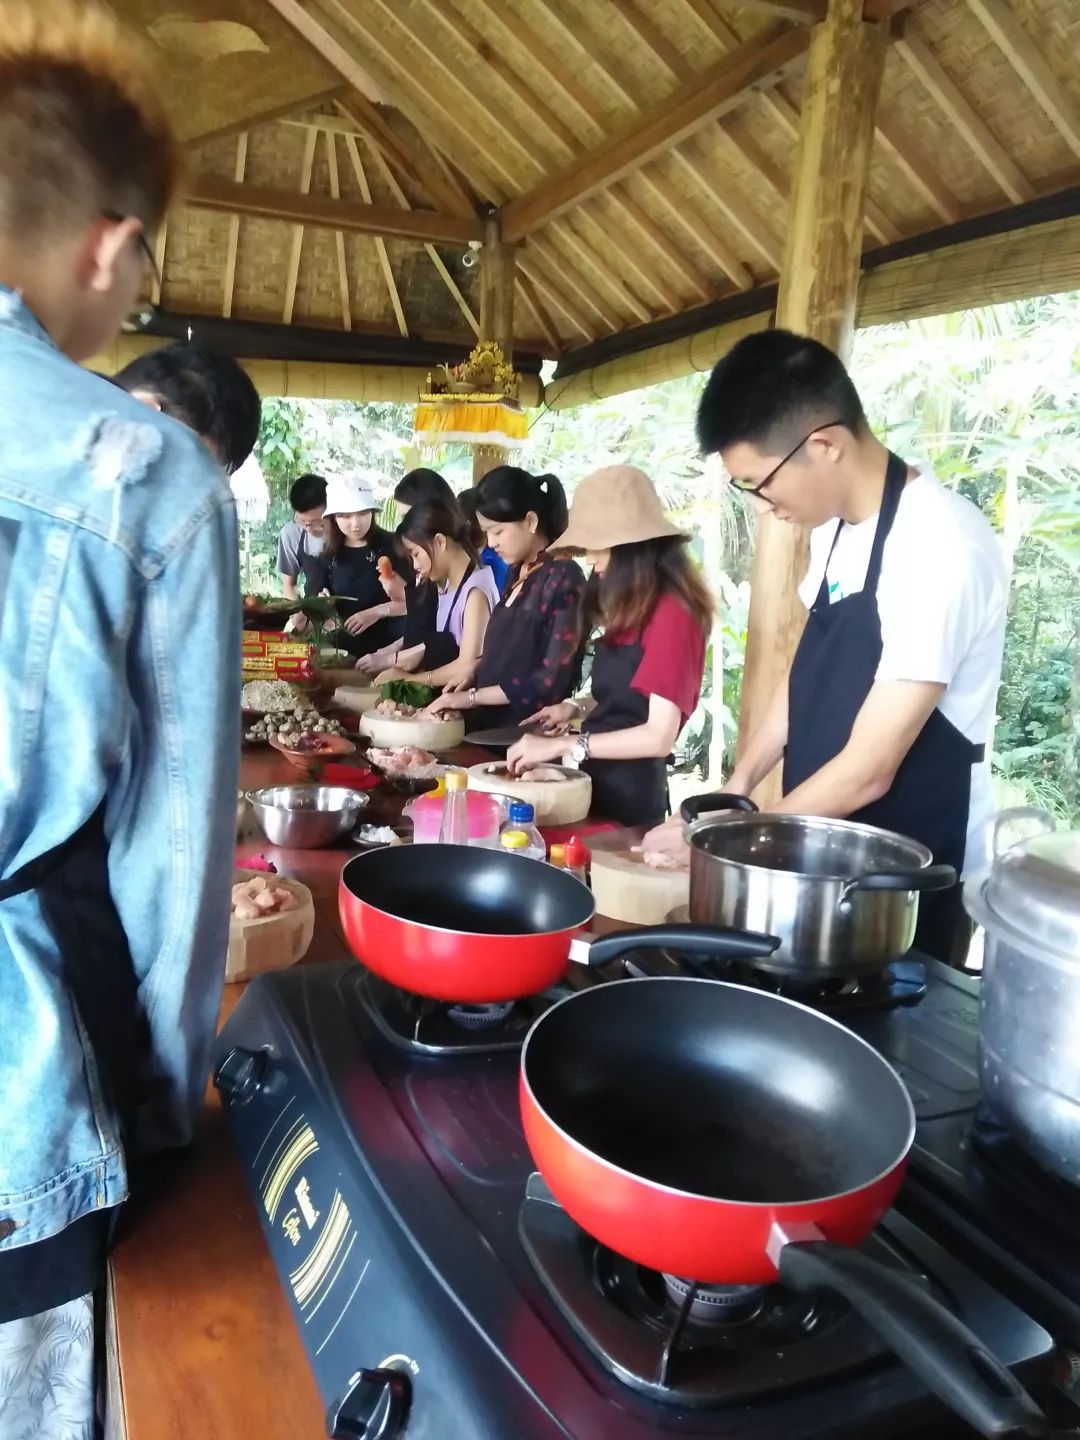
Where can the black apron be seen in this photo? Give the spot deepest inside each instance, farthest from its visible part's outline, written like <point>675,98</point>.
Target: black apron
<point>72,885</point>
<point>421,607</point>
<point>441,648</point>
<point>630,792</point>
<point>354,571</point>
<point>509,642</point>
<point>831,675</point>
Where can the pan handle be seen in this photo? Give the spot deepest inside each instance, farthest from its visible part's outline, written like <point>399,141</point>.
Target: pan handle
<point>711,941</point>
<point>697,805</point>
<point>930,877</point>
<point>947,1357</point>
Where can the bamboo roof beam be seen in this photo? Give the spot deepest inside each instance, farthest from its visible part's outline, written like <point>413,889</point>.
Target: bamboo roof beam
<point>161,243</point>
<point>433,255</point>
<point>380,244</point>
<point>700,229</point>
<point>740,216</point>
<point>528,267</point>
<point>600,273</point>
<point>398,153</point>
<point>584,293</point>
<point>293,273</point>
<point>543,319</point>
<point>800,12</point>
<point>339,238</point>
<point>658,238</point>
<point>227,197</point>
<point>922,62</point>
<point>715,92</point>
<point>646,278</point>
<point>1001,24</point>
<point>921,174</point>
<point>233,246</point>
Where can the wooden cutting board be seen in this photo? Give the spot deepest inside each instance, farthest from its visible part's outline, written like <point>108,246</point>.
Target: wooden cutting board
<point>358,699</point>
<point>272,942</point>
<point>427,733</point>
<point>627,889</point>
<point>556,802</point>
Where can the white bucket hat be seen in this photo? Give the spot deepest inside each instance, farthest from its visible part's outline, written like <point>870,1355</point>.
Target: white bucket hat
<point>346,496</point>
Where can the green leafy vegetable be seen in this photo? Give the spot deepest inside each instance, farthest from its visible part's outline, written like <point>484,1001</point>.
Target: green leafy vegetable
<point>408,692</point>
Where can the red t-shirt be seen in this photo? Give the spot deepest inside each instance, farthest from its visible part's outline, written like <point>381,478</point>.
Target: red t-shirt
<point>673,656</point>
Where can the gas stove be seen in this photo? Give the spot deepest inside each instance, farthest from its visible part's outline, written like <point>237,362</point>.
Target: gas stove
<point>442,1295</point>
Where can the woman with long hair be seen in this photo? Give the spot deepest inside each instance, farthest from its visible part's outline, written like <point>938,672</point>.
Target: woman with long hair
<point>655,613</point>
<point>532,650</point>
<point>437,538</point>
<point>362,568</point>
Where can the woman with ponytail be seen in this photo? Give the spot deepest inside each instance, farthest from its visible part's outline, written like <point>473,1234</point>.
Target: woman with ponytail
<point>532,649</point>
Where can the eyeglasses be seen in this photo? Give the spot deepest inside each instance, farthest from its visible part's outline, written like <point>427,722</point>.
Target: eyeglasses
<point>140,318</point>
<point>751,487</point>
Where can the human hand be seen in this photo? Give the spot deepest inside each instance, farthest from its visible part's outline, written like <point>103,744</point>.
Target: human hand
<point>392,674</point>
<point>534,750</point>
<point>665,847</point>
<point>554,719</point>
<point>448,702</point>
<point>362,620</point>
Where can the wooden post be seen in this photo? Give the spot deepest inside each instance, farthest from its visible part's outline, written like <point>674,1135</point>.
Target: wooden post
<point>818,289</point>
<point>497,266</point>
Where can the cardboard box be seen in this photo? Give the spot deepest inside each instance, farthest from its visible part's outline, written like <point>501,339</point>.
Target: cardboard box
<point>273,655</point>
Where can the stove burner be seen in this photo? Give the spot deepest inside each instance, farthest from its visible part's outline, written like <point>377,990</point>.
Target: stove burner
<point>1004,1161</point>
<point>715,1304</point>
<point>479,1017</point>
<point>428,1027</point>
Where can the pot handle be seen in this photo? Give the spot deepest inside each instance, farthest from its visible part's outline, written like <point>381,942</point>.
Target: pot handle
<point>931,877</point>
<point>946,1356</point>
<point>697,805</point>
<point>1044,824</point>
<point>709,941</point>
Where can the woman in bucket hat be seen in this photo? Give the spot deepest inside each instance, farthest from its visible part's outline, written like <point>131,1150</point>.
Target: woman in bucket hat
<point>362,566</point>
<point>655,612</point>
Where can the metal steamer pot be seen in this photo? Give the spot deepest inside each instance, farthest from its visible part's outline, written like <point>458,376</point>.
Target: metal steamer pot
<point>1028,903</point>
<point>842,897</point>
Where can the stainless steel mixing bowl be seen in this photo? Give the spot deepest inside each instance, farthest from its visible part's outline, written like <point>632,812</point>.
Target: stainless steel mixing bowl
<point>306,817</point>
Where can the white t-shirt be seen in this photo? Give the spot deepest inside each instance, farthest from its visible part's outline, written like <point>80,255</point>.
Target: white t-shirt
<point>942,598</point>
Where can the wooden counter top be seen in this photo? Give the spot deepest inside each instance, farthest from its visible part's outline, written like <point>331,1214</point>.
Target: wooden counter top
<point>206,1342</point>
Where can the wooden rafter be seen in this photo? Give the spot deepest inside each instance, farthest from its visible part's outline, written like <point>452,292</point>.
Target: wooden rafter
<point>432,254</point>
<point>293,273</point>
<point>659,239</point>
<point>376,128</point>
<point>339,237</point>
<point>556,76</point>
<point>528,267</point>
<point>741,216</point>
<point>716,91</point>
<point>699,228</point>
<point>161,242</point>
<point>918,170</point>
<point>380,243</point>
<point>581,291</point>
<point>528,293</point>
<point>922,62</point>
<point>646,276</point>
<point>802,12</point>
<point>602,274</point>
<point>206,193</point>
<point>1001,24</point>
<point>233,246</point>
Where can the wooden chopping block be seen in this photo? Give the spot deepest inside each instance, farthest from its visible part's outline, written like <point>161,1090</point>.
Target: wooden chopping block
<point>625,888</point>
<point>423,731</point>
<point>273,942</point>
<point>555,802</point>
<point>357,698</point>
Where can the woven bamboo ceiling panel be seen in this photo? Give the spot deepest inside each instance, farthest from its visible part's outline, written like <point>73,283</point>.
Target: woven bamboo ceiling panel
<point>342,151</point>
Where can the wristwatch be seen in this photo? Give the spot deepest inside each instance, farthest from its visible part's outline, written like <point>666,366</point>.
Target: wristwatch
<point>580,751</point>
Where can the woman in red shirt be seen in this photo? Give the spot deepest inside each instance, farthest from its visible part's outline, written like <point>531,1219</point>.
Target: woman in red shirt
<point>647,670</point>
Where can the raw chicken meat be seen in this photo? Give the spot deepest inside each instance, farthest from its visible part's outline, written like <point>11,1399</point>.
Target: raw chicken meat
<point>259,897</point>
<point>544,773</point>
<point>395,710</point>
<point>406,760</point>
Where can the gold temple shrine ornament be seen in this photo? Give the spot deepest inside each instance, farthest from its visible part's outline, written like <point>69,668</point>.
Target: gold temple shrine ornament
<point>474,403</point>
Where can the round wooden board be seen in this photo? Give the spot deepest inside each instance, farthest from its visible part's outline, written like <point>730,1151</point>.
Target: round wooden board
<point>272,942</point>
<point>357,699</point>
<point>554,802</point>
<point>386,733</point>
<point>627,889</point>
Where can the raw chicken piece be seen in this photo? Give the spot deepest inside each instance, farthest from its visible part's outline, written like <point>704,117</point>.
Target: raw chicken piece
<point>663,860</point>
<point>544,773</point>
<point>405,760</point>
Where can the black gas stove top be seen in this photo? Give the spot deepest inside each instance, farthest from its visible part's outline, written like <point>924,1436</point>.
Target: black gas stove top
<point>435,1283</point>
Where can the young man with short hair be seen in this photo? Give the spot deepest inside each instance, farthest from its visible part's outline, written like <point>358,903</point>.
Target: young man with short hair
<point>303,538</point>
<point>887,713</point>
<point>119,736</point>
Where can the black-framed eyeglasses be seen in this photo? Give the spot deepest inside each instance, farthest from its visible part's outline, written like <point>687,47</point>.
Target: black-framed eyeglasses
<point>140,318</point>
<point>752,487</point>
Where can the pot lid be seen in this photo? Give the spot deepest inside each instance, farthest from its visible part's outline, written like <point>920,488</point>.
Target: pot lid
<point>1034,888</point>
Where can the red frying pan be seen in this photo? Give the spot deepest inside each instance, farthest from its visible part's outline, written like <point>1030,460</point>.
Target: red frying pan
<point>477,926</point>
<point>725,1135</point>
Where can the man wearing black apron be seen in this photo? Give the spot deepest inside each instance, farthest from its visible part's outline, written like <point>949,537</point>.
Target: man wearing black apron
<point>889,703</point>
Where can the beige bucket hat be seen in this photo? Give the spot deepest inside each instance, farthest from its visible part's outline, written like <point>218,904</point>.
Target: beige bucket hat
<point>614,506</point>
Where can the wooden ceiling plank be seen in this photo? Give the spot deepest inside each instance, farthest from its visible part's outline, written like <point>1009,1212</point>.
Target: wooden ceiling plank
<point>653,39</point>
<point>740,215</point>
<point>528,267</point>
<point>802,12</point>
<point>161,242</point>
<point>293,273</point>
<point>1003,27</point>
<point>661,242</point>
<point>922,62</point>
<point>715,92</point>
<point>602,274</point>
<point>700,229</point>
<point>547,63</point>
<point>380,163</point>
<point>374,127</point>
<point>929,185</point>
<point>581,291</point>
<point>380,243</point>
<point>528,293</point>
<point>649,282</point>
<point>567,19</point>
<point>225,196</point>
<point>339,237</point>
<point>229,288</point>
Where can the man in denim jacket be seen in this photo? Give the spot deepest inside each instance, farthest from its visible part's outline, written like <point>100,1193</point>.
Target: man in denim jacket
<point>119,699</point>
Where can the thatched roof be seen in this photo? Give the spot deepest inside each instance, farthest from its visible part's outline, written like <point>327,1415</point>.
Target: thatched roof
<point>639,150</point>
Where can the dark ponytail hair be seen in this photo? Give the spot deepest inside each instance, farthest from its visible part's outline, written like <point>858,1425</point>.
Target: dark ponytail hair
<point>420,486</point>
<point>424,522</point>
<point>508,494</point>
<point>468,502</point>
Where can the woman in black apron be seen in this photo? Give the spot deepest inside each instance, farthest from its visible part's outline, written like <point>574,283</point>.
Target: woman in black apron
<point>357,567</point>
<point>532,649</point>
<point>649,661</point>
<point>834,667</point>
<point>436,539</point>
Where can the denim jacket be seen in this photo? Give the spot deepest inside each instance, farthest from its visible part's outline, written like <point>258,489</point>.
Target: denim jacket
<point>119,682</point>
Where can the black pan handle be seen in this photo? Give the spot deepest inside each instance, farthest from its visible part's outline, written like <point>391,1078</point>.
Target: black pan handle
<point>947,1357</point>
<point>717,942</point>
<point>931,877</point>
<point>698,805</point>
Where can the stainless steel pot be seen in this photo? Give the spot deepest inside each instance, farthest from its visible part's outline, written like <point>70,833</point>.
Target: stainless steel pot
<point>1028,903</point>
<point>842,897</point>
<point>306,817</point>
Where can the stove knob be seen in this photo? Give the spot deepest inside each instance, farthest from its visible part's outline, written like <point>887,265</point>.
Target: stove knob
<point>240,1075</point>
<point>375,1407</point>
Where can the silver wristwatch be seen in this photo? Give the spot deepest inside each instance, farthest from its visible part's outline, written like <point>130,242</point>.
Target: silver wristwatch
<point>580,751</point>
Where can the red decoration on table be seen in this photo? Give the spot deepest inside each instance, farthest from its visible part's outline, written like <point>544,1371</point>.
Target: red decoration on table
<point>354,777</point>
<point>560,834</point>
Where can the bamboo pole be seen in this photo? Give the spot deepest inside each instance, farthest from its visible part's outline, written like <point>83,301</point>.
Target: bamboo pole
<point>497,272</point>
<point>818,289</point>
